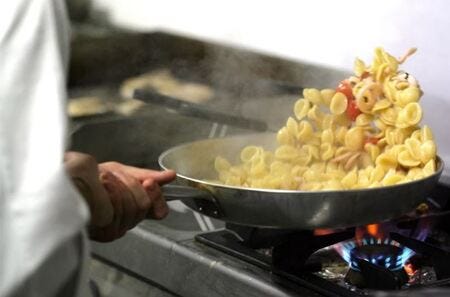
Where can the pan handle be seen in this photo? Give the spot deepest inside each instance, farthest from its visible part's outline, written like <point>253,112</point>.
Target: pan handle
<point>203,201</point>
<point>176,192</point>
<point>199,111</point>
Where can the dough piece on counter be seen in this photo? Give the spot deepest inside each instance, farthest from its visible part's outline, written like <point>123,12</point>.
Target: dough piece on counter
<point>128,107</point>
<point>87,106</point>
<point>163,82</point>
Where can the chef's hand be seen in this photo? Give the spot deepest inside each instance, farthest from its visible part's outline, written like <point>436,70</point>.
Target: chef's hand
<point>132,192</point>
<point>133,198</point>
<point>83,170</point>
<point>144,185</point>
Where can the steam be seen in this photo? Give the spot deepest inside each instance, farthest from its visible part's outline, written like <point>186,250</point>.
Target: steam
<point>240,78</point>
<point>259,86</point>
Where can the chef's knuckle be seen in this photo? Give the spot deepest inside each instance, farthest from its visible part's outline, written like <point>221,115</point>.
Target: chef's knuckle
<point>157,191</point>
<point>145,203</point>
<point>150,185</point>
<point>161,212</point>
<point>112,164</point>
<point>87,163</point>
<point>133,183</point>
<point>89,160</point>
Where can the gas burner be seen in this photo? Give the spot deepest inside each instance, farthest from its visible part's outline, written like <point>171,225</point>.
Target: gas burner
<point>385,253</point>
<point>376,263</point>
<point>375,259</point>
<point>372,276</point>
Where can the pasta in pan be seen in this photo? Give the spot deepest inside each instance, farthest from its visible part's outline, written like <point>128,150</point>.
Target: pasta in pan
<point>363,134</point>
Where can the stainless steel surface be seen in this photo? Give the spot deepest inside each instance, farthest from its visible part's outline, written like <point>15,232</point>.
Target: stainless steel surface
<point>112,282</point>
<point>194,163</point>
<point>176,192</point>
<point>172,259</point>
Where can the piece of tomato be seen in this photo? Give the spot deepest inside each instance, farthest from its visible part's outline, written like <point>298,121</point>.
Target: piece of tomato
<point>352,110</point>
<point>365,75</point>
<point>371,139</point>
<point>345,88</point>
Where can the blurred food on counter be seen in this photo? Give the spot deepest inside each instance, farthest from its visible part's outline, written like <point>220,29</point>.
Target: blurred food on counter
<point>87,106</point>
<point>165,83</point>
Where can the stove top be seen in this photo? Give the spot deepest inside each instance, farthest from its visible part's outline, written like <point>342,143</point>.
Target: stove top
<point>191,255</point>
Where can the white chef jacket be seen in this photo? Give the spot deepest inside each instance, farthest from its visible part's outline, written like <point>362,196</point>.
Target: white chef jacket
<point>41,214</point>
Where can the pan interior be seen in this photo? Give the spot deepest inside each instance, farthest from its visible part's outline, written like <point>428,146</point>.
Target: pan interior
<point>196,160</point>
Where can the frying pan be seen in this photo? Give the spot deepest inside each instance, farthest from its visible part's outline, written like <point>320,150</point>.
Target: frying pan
<point>287,209</point>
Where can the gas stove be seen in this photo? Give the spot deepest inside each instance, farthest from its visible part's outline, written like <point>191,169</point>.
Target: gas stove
<point>188,254</point>
<point>406,257</point>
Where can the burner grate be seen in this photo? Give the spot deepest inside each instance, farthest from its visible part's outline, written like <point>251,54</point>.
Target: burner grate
<point>292,276</point>
<point>377,277</point>
<point>439,257</point>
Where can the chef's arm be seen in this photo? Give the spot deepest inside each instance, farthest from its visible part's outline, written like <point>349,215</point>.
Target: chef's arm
<point>119,196</point>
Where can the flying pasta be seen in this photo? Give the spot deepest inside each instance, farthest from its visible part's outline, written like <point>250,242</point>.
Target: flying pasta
<point>363,134</point>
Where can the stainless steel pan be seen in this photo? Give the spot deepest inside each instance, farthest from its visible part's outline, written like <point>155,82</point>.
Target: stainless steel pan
<point>194,164</point>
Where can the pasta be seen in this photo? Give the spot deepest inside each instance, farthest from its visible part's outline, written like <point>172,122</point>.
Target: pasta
<point>363,134</point>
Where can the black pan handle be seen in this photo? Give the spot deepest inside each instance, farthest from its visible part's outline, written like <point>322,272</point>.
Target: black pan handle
<point>197,110</point>
<point>176,192</point>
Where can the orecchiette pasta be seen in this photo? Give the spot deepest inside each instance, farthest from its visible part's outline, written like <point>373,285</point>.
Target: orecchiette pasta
<point>381,104</point>
<point>327,94</point>
<point>354,139</point>
<point>338,103</point>
<point>313,95</point>
<point>364,134</point>
<point>305,131</point>
<point>301,108</point>
<point>409,116</point>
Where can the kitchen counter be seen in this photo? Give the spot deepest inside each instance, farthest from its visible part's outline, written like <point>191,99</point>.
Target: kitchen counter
<point>169,258</point>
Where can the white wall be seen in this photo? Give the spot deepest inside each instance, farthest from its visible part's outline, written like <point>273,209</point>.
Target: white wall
<point>325,32</point>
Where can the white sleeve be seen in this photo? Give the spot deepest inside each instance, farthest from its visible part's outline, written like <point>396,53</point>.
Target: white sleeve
<point>39,209</point>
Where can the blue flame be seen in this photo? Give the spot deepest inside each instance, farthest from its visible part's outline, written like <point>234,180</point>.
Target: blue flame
<point>392,262</point>
<point>406,255</point>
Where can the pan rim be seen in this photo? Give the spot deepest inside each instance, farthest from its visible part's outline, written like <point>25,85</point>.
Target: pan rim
<point>163,155</point>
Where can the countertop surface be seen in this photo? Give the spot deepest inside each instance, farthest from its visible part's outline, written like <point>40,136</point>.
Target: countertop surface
<point>166,254</point>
